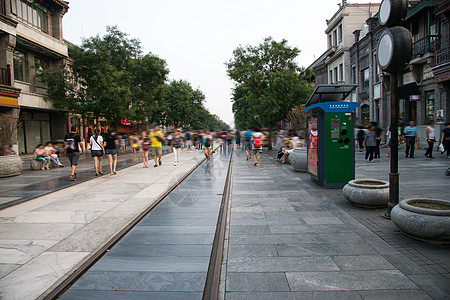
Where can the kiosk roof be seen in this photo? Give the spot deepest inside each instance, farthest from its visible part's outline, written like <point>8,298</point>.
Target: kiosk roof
<point>330,93</point>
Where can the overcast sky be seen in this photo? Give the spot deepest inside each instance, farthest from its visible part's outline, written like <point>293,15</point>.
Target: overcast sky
<point>196,37</point>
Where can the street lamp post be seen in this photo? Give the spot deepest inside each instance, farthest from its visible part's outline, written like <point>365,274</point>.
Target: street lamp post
<point>393,54</point>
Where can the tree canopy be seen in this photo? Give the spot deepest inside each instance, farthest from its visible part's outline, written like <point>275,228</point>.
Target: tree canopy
<point>268,83</point>
<point>108,76</point>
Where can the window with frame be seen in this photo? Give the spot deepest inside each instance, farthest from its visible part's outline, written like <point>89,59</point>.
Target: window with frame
<point>365,78</point>
<point>336,75</point>
<point>29,13</point>
<point>341,72</point>
<point>340,33</point>
<point>376,69</point>
<point>330,40</point>
<point>331,76</point>
<point>20,66</point>
<point>39,66</point>
<point>335,37</point>
<point>354,77</point>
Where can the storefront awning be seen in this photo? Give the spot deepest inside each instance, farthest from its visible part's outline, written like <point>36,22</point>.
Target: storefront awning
<point>9,101</point>
<point>407,90</point>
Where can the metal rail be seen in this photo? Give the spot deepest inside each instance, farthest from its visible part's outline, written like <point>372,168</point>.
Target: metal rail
<point>72,278</point>
<point>212,285</point>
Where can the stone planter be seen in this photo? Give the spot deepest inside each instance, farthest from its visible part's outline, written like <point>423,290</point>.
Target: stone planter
<point>10,165</point>
<point>369,193</point>
<point>424,222</point>
<point>299,160</point>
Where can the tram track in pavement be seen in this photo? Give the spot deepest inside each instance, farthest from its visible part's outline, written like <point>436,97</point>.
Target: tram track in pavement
<point>213,270</point>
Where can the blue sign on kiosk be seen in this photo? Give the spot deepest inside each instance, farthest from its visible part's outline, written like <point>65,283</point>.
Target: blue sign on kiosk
<point>331,145</point>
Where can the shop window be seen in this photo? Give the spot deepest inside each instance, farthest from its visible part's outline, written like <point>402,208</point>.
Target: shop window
<point>20,66</point>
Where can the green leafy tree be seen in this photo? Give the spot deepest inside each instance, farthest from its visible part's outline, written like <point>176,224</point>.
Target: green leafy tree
<point>109,77</point>
<point>272,80</point>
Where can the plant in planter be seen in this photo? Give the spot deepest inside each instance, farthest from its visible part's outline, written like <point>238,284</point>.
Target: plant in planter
<point>423,219</point>
<point>369,193</point>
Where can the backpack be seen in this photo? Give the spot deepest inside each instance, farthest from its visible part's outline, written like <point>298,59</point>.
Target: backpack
<point>257,143</point>
<point>69,144</point>
<point>248,135</point>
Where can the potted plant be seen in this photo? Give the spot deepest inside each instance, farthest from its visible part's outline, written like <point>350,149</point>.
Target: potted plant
<point>423,219</point>
<point>369,193</point>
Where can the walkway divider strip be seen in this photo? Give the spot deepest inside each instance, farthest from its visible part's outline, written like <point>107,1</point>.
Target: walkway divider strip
<point>212,285</point>
<point>57,291</point>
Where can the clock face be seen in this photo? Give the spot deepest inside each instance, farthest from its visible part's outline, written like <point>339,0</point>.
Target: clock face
<point>385,11</point>
<point>385,50</point>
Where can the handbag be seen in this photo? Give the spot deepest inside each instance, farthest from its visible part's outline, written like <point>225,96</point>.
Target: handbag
<point>441,148</point>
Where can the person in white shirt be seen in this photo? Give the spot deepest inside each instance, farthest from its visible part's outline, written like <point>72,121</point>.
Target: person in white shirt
<point>431,139</point>
<point>97,151</point>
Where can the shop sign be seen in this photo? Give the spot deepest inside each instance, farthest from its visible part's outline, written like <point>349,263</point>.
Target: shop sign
<point>430,107</point>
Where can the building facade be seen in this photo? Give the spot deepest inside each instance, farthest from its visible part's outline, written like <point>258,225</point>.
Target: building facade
<point>423,89</point>
<point>31,40</point>
<point>340,28</point>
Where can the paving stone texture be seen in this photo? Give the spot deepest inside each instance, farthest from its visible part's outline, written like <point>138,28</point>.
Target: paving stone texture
<point>166,256</point>
<point>289,238</point>
<point>45,239</point>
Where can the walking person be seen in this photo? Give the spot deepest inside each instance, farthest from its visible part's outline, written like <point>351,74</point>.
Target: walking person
<point>445,139</point>
<point>110,145</point>
<point>208,146</point>
<point>379,135</point>
<point>369,143</point>
<point>360,136</point>
<point>177,145</point>
<point>188,141</point>
<point>123,143</point>
<point>411,138</point>
<point>145,147</point>
<point>97,151</point>
<point>431,139</point>
<point>72,145</point>
<point>248,143</point>
<point>238,139</point>
<point>41,155</point>
<point>257,146</point>
<point>157,138</point>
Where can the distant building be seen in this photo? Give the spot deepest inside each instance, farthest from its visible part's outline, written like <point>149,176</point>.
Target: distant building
<point>31,39</point>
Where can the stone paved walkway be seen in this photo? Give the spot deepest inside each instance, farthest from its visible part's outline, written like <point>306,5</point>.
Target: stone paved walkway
<point>42,240</point>
<point>291,239</point>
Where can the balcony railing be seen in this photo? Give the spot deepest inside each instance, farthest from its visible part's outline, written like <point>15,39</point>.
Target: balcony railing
<point>442,56</point>
<point>5,75</point>
<point>427,44</point>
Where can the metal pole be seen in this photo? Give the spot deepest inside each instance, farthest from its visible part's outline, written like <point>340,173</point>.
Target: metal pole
<point>393,175</point>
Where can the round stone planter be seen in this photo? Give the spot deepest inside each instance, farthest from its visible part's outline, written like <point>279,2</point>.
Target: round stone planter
<point>10,165</point>
<point>299,160</point>
<point>369,193</point>
<point>424,222</point>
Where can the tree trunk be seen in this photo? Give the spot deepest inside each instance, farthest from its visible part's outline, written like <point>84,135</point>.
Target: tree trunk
<point>269,146</point>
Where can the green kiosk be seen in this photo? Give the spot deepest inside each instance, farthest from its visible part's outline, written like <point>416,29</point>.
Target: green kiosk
<point>331,145</point>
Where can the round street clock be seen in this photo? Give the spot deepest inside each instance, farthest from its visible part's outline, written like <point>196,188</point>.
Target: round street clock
<point>391,12</point>
<point>394,49</point>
